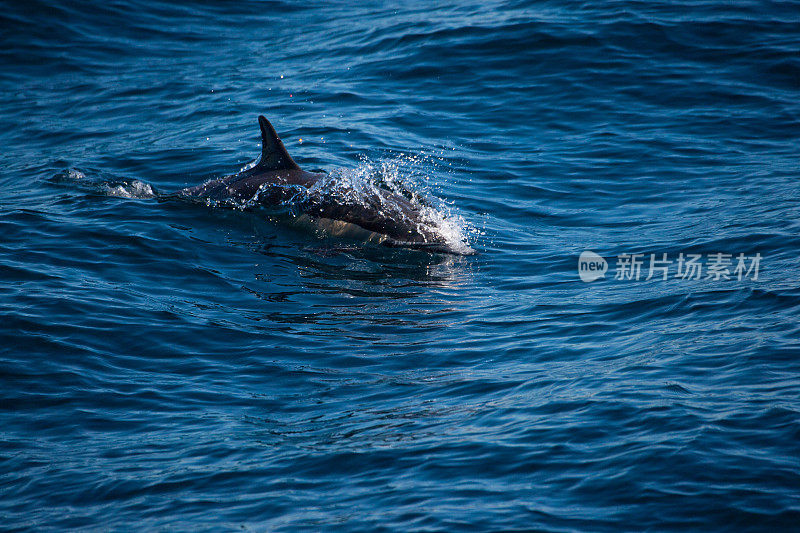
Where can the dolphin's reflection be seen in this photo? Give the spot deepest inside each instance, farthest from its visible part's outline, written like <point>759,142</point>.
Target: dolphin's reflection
<point>354,287</point>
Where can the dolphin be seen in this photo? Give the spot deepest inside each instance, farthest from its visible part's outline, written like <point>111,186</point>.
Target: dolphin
<point>378,215</point>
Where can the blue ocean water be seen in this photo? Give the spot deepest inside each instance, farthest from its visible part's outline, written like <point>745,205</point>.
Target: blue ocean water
<point>173,366</point>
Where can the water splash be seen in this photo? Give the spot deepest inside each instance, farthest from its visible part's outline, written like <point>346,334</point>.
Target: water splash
<point>72,174</point>
<point>133,189</point>
<point>408,176</point>
<point>118,188</point>
<point>399,188</point>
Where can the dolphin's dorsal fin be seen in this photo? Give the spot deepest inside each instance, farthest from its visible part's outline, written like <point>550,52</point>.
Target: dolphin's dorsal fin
<point>273,154</point>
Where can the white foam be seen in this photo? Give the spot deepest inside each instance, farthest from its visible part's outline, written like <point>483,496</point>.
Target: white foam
<point>134,189</point>
<point>75,175</point>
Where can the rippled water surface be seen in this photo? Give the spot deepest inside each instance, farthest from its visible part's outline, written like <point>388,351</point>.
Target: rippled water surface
<point>179,366</point>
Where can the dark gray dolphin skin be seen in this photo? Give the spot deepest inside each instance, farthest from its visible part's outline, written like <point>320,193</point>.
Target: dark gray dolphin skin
<point>389,218</point>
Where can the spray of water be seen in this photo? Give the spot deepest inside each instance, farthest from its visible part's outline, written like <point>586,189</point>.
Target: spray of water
<point>133,189</point>
<point>380,181</point>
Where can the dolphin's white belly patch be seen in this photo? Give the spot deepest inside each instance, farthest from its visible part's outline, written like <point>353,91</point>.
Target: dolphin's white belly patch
<point>340,228</point>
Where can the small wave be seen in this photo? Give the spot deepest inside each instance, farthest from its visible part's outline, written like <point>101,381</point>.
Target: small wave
<point>72,174</point>
<point>69,175</point>
<point>134,189</point>
<point>118,188</point>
